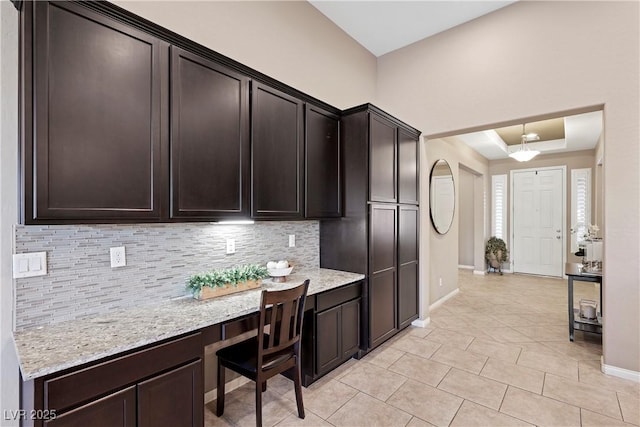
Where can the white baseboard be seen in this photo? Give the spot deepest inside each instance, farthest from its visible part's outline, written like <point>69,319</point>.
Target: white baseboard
<point>627,374</point>
<point>466,267</point>
<point>479,272</point>
<point>421,323</point>
<point>235,383</point>
<point>443,299</point>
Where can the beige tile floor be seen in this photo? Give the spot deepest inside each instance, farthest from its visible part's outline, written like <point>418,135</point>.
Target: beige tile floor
<point>496,354</point>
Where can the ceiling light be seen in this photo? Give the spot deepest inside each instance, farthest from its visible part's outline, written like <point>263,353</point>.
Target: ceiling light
<point>524,154</point>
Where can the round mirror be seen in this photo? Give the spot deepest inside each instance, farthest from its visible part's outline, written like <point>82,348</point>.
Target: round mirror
<point>442,196</point>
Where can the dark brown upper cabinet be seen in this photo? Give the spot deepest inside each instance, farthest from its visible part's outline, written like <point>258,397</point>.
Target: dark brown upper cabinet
<point>93,136</point>
<point>322,164</point>
<point>383,160</point>
<point>408,167</point>
<point>209,139</point>
<point>125,121</point>
<point>277,158</point>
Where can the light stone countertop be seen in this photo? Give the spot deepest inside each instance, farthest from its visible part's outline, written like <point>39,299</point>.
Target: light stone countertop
<point>49,349</point>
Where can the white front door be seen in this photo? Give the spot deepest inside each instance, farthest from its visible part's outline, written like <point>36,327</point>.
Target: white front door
<point>538,221</point>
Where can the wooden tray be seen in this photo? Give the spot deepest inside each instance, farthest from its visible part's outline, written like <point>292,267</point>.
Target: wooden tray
<point>206,292</point>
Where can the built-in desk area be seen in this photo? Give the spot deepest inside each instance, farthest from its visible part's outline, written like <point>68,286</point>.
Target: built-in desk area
<point>576,271</point>
<point>134,367</point>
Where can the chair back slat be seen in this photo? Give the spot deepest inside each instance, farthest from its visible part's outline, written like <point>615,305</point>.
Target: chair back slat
<point>285,322</point>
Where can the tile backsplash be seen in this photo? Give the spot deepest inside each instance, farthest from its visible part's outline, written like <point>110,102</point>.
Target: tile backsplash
<point>160,258</point>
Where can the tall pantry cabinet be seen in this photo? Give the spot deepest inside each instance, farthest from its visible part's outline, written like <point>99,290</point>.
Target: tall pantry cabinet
<point>378,234</point>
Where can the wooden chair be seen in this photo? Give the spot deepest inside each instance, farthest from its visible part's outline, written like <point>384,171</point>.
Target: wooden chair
<point>271,352</point>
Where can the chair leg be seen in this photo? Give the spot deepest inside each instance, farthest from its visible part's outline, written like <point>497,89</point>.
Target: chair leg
<point>259,386</point>
<point>298,387</point>
<point>220,398</point>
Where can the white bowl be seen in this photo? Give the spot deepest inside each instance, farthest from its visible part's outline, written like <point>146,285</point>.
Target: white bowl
<point>280,272</point>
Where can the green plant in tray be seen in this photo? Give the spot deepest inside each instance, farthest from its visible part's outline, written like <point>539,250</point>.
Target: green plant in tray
<point>232,276</point>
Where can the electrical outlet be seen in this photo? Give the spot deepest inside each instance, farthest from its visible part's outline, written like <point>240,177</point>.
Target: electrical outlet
<point>118,257</point>
<point>292,240</point>
<point>440,281</point>
<point>231,246</point>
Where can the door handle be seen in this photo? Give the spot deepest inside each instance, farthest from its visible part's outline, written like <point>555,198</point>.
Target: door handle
<point>557,231</point>
<point>558,237</point>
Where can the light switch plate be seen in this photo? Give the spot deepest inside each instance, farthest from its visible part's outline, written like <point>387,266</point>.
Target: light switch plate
<point>29,264</point>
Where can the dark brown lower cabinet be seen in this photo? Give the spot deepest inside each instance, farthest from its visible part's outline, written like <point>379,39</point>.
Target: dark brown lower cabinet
<point>350,328</point>
<point>338,335</point>
<point>407,294</point>
<point>382,307</point>
<point>408,242</point>
<point>331,330</point>
<point>172,399</point>
<point>328,351</point>
<point>156,386</point>
<point>115,410</point>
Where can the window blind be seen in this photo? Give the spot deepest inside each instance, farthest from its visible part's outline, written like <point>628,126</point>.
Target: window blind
<point>580,205</point>
<point>499,206</point>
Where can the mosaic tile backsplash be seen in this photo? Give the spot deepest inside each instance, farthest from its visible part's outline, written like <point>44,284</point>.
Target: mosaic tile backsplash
<point>160,258</point>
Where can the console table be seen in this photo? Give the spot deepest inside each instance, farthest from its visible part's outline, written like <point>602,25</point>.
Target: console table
<point>574,271</point>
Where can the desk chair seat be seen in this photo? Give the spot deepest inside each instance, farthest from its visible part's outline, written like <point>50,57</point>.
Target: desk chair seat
<point>268,354</point>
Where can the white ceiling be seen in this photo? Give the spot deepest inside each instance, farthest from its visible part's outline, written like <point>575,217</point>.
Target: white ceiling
<point>582,132</point>
<point>383,26</point>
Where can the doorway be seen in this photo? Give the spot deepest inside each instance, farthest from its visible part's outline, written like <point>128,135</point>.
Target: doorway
<point>466,220</point>
<point>538,205</point>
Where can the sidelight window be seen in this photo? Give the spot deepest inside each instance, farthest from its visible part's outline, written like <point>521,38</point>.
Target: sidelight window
<point>580,205</point>
<point>498,206</point>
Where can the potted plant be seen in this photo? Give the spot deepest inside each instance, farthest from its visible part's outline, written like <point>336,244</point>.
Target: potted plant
<point>496,253</point>
<point>226,281</point>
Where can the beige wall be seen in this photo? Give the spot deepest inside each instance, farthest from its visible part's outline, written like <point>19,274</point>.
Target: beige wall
<point>290,41</point>
<point>581,54</point>
<point>465,217</point>
<point>573,160</point>
<point>442,255</point>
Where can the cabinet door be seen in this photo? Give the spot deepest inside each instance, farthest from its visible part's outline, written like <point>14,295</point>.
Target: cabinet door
<point>408,304</point>
<point>209,139</point>
<point>115,410</point>
<point>277,154</point>
<point>173,399</point>
<point>97,119</point>
<point>382,278</point>
<point>382,160</point>
<point>322,164</point>
<point>408,169</point>
<point>328,335</point>
<point>350,328</point>
<point>382,307</point>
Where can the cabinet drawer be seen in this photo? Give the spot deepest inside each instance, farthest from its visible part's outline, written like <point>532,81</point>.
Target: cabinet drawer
<point>240,326</point>
<point>338,296</point>
<point>76,387</point>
